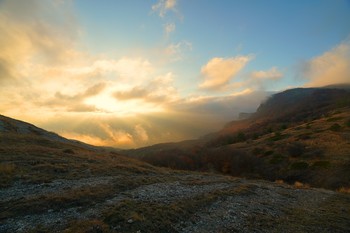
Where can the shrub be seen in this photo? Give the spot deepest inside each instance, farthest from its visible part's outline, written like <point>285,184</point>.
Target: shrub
<point>299,166</point>
<point>7,168</point>
<point>300,185</point>
<point>88,226</point>
<point>269,152</point>
<point>276,137</point>
<point>256,135</point>
<point>304,136</point>
<point>296,149</point>
<point>241,137</point>
<point>284,126</point>
<point>332,119</point>
<point>321,164</point>
<point>279,181</point>
<point>7,172</point>
<point>335,127</point>
<point>348,123</point>
<point>68,151</point>
<point>277,158</point>
<point>257,151</point>
<point>344,190</point>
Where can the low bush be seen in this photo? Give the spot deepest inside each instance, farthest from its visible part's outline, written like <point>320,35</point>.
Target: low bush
<point>296,149</point>
<point>335,127</point>
<point>321,164</point>
<point>299,165</point>
<point>348,123</point>
<point>277,158</point>
<point>269,152</point>
<point>301,185</point>
<point>332,119</point>
<point>68,151</point>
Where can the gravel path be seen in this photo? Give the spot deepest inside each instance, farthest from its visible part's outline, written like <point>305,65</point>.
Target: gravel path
<point>229,213</point>
<point>236,213</point>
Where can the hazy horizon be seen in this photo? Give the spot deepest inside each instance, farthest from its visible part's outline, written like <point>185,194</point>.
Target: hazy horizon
<point>134,73</point>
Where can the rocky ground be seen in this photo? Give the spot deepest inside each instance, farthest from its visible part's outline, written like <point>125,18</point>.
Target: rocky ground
<point>176,202</point>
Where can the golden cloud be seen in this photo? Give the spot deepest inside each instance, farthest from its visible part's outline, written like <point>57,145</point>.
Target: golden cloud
<point>218,72</point>
<point>331,67</point>
<point>272,74</point>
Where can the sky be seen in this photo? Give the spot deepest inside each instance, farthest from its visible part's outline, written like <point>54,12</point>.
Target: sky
<point>132,73</point>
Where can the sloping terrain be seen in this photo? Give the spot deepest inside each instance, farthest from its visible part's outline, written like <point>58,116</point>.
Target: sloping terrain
<point>50,185</point>
<point>298,135</point>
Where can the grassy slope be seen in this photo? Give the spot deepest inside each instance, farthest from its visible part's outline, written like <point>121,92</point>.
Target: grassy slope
<point>315,152</point>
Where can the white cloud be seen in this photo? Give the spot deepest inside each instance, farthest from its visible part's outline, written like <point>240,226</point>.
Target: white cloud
<point>163,6</point>
<point>169,28</point>
<point>331,67</point>
<point>176,52</point>
<point>218,72</point>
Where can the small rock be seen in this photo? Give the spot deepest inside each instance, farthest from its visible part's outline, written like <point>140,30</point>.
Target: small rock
<point>130,221</point>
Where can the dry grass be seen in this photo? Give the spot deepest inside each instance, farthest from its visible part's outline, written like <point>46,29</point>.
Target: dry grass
<point>279,181</point>
<point>22,158</point>
<point>300,185</point>
<point>8,172</point>
<point>87,226</point>
<point>344,190</point>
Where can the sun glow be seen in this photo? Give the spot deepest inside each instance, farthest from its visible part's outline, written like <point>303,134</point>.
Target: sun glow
<point>108,104</point>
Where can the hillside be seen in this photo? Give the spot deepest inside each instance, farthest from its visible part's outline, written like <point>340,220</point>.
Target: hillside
<point>51,184</point>
<point>299,135</point>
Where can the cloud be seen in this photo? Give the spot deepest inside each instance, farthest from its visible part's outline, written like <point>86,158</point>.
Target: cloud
<point>176,52</point>
<point>158,90</point>
<point>169,28</point>
<point>134,93</point>
<point>258,80</point>
<point>91,91</point>
<point>271,74</point>
<point>114,138</point>
<point>27,34</point>
<point>218,72</point>
<point>125,68</point>
<point>163,6</point>
<point>73,103</point>
<point>140,133</point>
<point>331,67</point>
